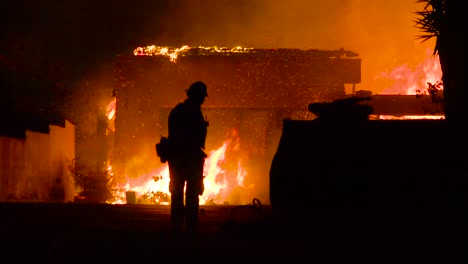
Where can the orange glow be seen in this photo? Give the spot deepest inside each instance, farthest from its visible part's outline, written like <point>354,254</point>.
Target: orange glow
<point>213,186</point>
<point>173,53</point>
<point>110,111</point>
<point>241,173</point>
<point>415,81</point>
<point>157,182</point>
<point>409,81</point>
<point>217,187</point>
<point>407,117</point>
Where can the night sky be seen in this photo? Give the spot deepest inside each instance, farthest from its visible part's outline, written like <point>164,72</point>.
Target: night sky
<point>47,47</point>
<point>62,38</point>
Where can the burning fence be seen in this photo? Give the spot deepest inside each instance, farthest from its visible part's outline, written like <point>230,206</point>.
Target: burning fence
<point>250,92</point>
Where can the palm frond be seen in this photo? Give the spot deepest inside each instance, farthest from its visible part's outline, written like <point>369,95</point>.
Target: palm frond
<point>431,19</point>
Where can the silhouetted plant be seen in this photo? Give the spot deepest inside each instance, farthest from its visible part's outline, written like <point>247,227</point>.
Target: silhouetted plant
<point>151,197</point>
<point>434,90</point>
<point>442,19</point>
<point>95,185</point>
<point>431,20</point>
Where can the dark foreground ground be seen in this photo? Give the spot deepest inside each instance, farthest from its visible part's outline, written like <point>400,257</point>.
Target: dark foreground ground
<point>99,233</point>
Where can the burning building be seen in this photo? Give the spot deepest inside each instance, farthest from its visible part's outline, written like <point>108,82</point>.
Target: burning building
<point>250,92</point>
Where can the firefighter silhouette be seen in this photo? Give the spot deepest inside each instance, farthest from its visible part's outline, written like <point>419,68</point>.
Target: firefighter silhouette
<point>187,135</point>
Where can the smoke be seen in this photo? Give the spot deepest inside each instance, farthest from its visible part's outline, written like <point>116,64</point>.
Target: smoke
<point>79,34</point>
<point>383,33</point>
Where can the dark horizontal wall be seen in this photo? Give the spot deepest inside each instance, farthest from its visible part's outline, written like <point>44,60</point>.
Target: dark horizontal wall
<point>399,105</point>
<point>372,164</point>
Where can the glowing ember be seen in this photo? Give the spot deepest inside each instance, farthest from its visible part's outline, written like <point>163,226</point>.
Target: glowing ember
<point>408,117</point>
<point>173,53</point>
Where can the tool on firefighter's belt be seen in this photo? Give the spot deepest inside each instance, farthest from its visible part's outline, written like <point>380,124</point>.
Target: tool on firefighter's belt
<point>162,149</point>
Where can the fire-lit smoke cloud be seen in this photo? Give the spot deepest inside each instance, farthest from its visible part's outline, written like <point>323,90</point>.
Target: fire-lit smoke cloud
<point>383,33</point>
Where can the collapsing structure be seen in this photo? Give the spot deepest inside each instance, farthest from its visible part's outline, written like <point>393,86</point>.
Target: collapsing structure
<point>250,90</point>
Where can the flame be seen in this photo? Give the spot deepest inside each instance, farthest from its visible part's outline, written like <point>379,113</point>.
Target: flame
<point>173,53</point>
<point>211,169</point>
<point>241,173</point>
<point>110,111</point>
<point>412,82</point>
<point>153,182</point>
<point>409,81</point>
<point>409,117</point>
<point>217,186</point>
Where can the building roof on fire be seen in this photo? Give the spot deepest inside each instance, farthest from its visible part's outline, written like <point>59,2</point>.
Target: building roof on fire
<point>173,53</point>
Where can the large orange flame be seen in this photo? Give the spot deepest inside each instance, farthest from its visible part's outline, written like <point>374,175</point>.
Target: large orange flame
<point>217,187</point>
<point>409,81</point>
